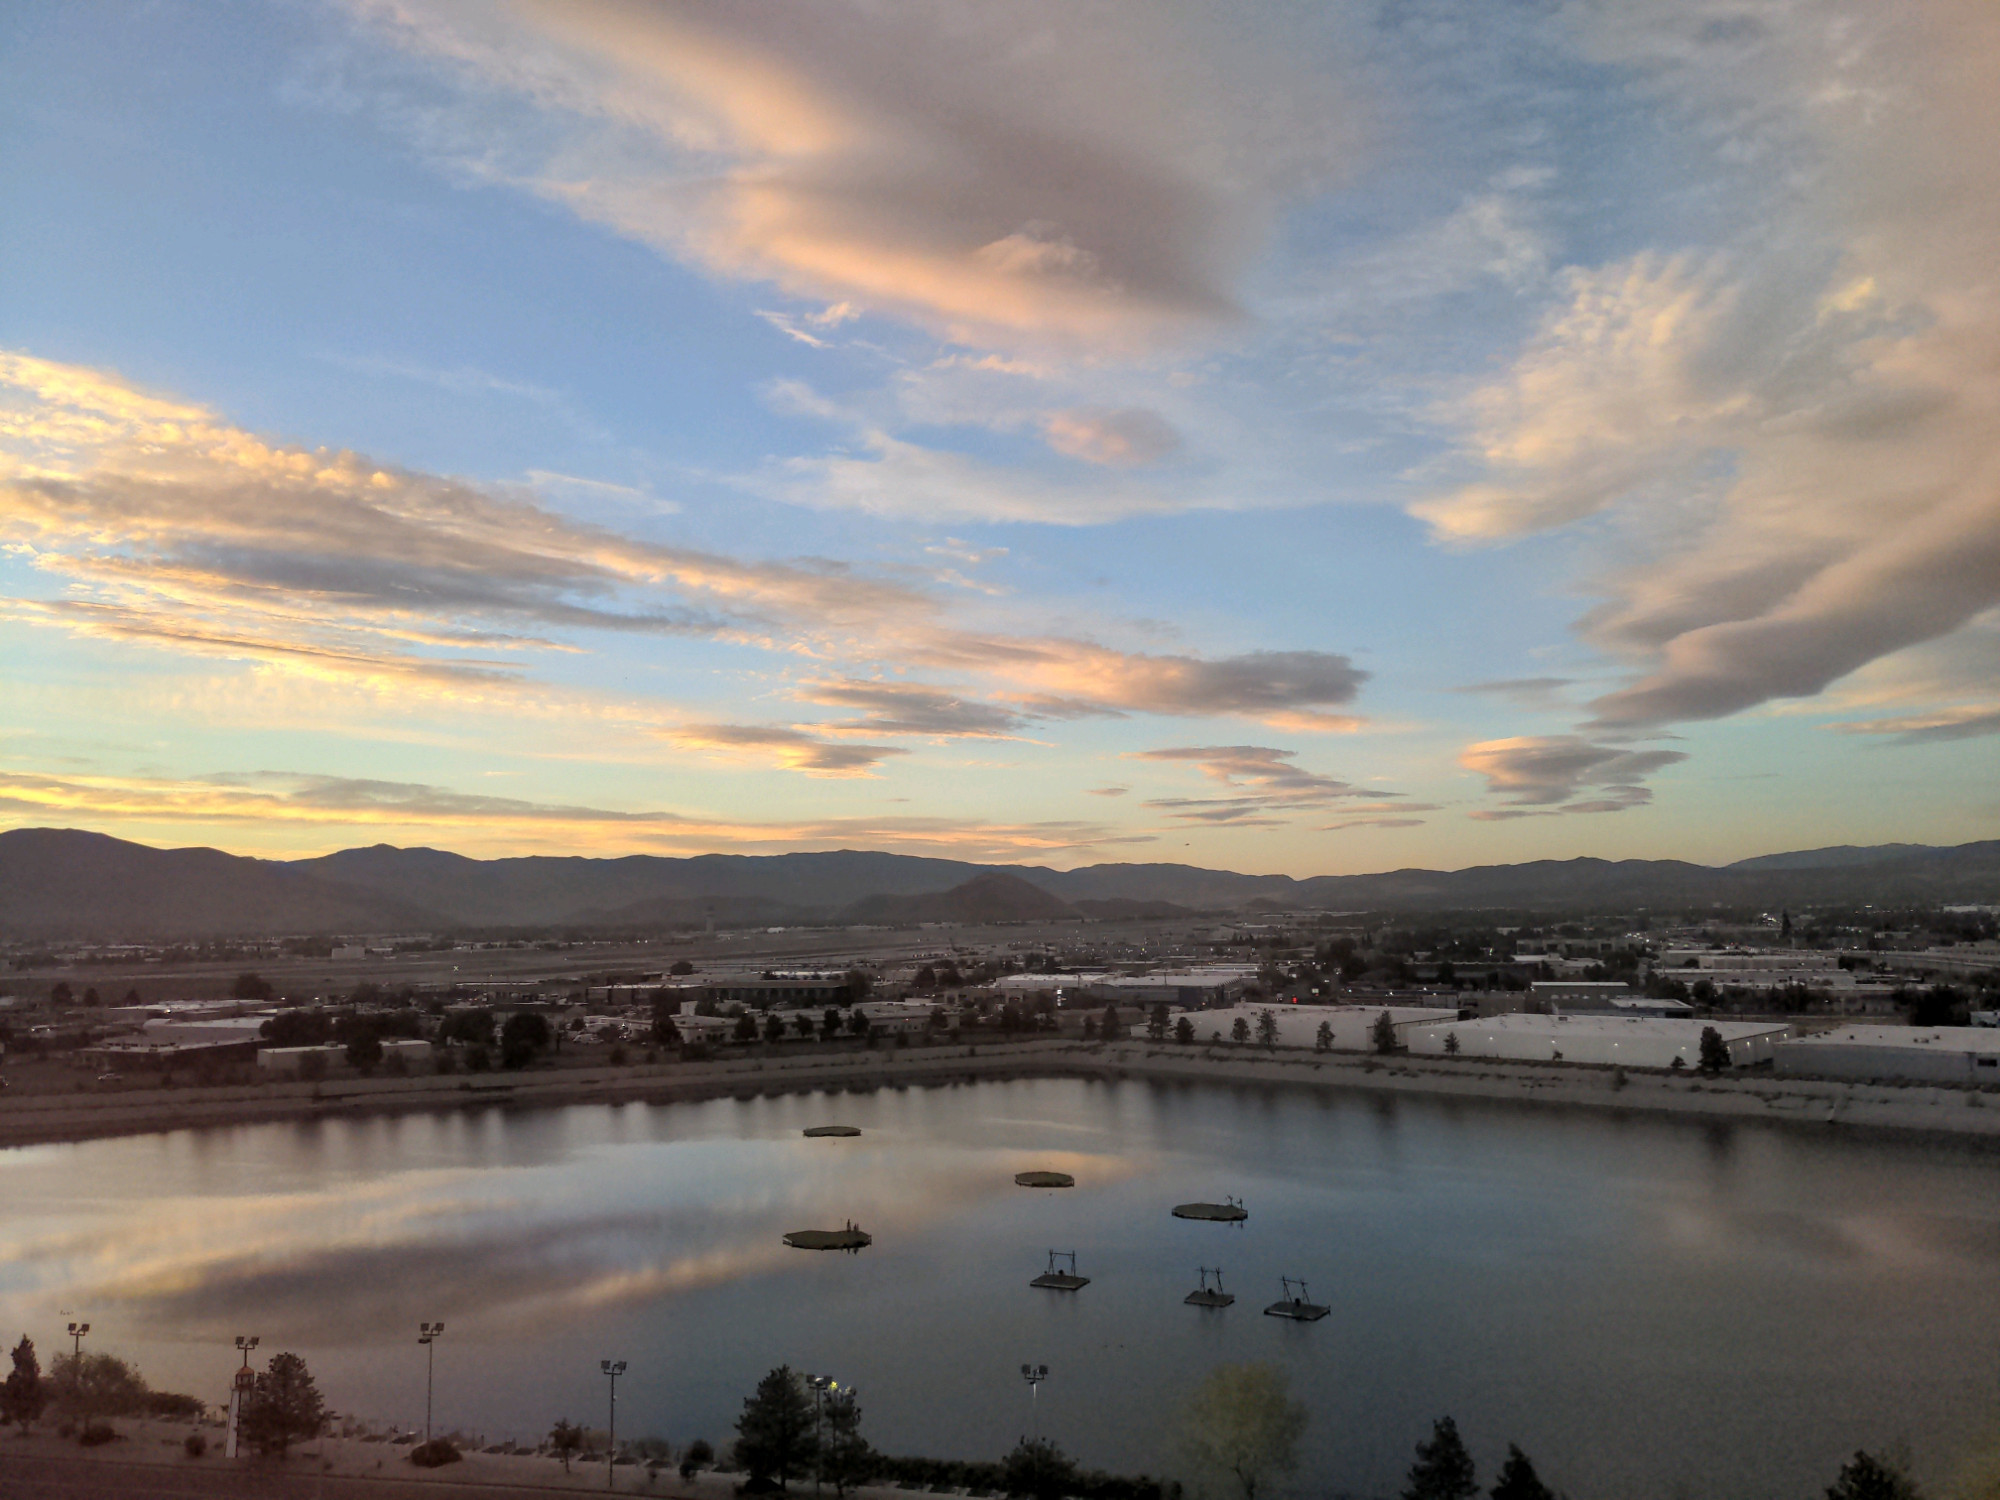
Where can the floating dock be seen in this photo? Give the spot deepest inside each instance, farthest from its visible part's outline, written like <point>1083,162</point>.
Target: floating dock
<point>1295,1304</point>
<point>819,1130</point>
<point>1044,1179</point>
<point>1230,1212</point>
<point>851,1238</point>
<point>1206,1295</point>
<point>1061,1281</point>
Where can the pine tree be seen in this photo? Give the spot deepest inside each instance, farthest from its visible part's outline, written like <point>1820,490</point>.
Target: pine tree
<point>1156,1022</point>
<point>774,1436</point>
<point>1714,1051</point>
<point>1518,1479</point>
<point>285,1406</point>
<point>1267,1028</point>
<point>1866,1477</point>
<point>1239,1032</point>
<point>845,1459</point>
<point>1184,1032</point>
<point>1384,1033</point>
<point>23,1397</point>
<point>1111,1028</point>
<point>1323,1038</point>
<point>1443,1470</point>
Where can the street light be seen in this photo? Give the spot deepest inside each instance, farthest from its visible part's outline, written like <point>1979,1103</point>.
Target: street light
<point>76,1333</point>
<point>820,1384</point>
<point>1035,1375</point>
<point>428,1334</point>
<point>614,1368</point>
<point>239,1393</point>
<point>244,1343</point>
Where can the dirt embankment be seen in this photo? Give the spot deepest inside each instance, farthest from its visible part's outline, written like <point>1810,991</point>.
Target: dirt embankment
<point>1920,1109</point>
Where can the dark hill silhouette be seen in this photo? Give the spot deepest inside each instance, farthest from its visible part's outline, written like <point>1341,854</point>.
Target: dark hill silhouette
<point>68,884</point>
<point>992,897</point>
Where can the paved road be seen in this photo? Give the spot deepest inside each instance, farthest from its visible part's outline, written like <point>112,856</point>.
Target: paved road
<point>61,1477</point>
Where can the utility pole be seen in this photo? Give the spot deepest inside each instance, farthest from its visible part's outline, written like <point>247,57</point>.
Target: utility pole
<point>614,1368</point>
<point>428,1334</point>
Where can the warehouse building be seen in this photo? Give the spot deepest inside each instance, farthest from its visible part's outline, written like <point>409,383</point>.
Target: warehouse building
<point>1964,1055</point>
<point>1627,1041</point>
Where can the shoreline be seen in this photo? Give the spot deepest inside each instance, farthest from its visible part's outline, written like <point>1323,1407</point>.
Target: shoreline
<point>1893,1110</point>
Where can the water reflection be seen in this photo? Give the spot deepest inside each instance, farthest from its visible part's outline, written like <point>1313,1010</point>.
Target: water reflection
<point>1767,1300</point>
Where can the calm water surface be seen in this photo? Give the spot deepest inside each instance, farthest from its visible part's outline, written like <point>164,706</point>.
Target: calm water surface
<point>1647,1308</point>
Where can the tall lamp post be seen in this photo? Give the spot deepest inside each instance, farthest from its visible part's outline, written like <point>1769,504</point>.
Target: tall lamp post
<point>239,1394</point>
<point>820,1384</point>
<point>428,1334</point>
<point>1035,1375</point>
<point>76,1333</point>
<point>614,1368</point>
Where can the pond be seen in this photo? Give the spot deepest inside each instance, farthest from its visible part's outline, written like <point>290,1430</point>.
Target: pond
<point>1646,1307</point>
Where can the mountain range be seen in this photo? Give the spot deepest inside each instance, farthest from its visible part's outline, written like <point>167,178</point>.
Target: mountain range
<point>67,884</point>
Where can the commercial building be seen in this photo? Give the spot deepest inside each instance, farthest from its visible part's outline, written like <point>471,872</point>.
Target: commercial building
<point>1629,1041</point>
<point>1966,1055</point>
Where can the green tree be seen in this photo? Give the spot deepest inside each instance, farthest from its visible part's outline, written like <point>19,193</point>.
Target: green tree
<point>1866,1477</point>
<point>1037,1469</point>
<point>24,1395</point>
<point>774,1027</point>
<point>681,966</point>
<point>1267,1027</point>
<point>845,1459</point>
<point>285,1406</point>
<point>297,1028</point>
<point>91,997</point>
<point>1157,1022</point>
<point>803,1025</point>
<point>524,1036</point>
<point>1184,1031</point>
<point>472,1025</point>
<point>1240,1031</point>
<point>1323,1038</point>
<point>1443,1470</point>
<point>829,1024</point>
<point>746,1028</point>
<point>665,1033</point>
<point>60,994</point>
<point>926,978</point>
<point>774,1436</point>
<point>364,1052</point>
<point>1111,1028</point>
<point>93,1386</point>
<point>1714,1051</point>
<point>1240,1430</point>
<point>565,1439</point>
<point>1518,1479</point>
<point>250,986</point>
<point>858,984</point>
<point>857,1023</point>
<point>132,998</point>
<point>1383,1033</point>
<point>1451,1043</point>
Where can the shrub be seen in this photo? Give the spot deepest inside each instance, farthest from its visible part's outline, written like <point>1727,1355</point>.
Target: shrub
<point>617,1058</point>
<point>196,1445</point>
<point>435,1454</point>
<point>95,1435</point>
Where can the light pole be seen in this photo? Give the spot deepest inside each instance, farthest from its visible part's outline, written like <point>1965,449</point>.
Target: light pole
<point>614,1368</point>
<point>1035,1375</point>
<point>76,1333</point>
<point>239,1393</point>
<point>820,1384</point>
<point>428,1334</point>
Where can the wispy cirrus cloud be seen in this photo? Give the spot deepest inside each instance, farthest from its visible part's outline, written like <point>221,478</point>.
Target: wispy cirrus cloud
<point>792,749</point>
<point>1265,784</point>
<point>318,805</point>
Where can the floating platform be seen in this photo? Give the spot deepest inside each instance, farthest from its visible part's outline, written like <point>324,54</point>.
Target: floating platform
<point>1303,1312</point>
<point>819,1130</point>
<point>1220,1213</point>
<point>1209,1297</point>
<point>1044,1179</point>
<point>1060,1281</point>
<point>849,1238</point>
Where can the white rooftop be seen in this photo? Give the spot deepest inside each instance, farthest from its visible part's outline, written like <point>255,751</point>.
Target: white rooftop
<point>1944,1038</point>
<point>1530,1024</point>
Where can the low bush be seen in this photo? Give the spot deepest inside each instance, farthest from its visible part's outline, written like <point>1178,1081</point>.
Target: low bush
<point>96,1435</point>
<point>196,1445</point>
<point>435,1454</point>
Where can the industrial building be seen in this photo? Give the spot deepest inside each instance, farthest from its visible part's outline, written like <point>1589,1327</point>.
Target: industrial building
<point>1964,1055</point>
<point>1629,1041</point>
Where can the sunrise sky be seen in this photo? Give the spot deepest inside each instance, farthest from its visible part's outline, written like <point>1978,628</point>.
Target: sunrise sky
<point>1305,438</point>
